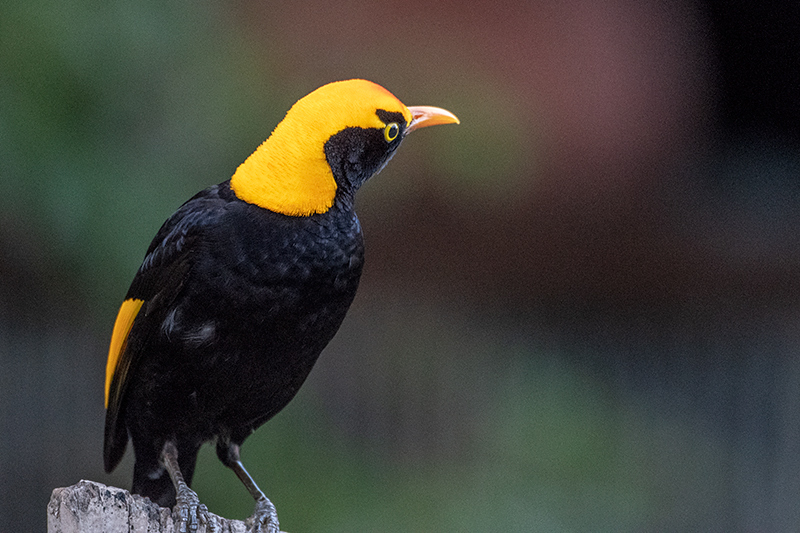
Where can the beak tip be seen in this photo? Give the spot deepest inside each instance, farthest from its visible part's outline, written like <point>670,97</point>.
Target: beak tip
<point>424,116</point>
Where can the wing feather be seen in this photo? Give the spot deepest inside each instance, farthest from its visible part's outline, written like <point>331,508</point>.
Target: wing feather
<point>158,282</point>
<point>119,337</point>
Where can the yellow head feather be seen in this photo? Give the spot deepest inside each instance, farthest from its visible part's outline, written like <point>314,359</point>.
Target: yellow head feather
<point>289,173</point>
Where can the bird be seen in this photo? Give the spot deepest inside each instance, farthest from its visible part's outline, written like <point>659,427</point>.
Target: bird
<point>240,291</point>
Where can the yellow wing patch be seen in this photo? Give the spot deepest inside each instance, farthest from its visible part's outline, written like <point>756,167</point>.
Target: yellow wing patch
<point>122,326</point>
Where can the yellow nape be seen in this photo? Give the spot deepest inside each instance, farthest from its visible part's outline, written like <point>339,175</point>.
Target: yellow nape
<point>122,326</point>
<point>289,173</point>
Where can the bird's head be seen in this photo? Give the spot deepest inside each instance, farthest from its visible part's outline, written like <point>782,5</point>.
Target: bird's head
<point>329,144</point>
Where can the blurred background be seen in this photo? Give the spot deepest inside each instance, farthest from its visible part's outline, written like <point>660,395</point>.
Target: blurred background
<point>580,307</point>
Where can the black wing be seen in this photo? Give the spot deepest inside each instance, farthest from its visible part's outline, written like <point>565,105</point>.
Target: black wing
<point>166,266</point>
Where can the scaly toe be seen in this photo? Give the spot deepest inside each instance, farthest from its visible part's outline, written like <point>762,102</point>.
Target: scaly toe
<point>264,519</point>
<point>189,513</point>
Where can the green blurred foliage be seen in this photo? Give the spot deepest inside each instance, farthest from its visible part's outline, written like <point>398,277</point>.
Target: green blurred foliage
<point>114,113</point>
<point>534,444</point>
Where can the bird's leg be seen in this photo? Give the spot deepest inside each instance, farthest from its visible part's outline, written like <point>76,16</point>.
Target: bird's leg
<point>265,517</point>
<point>188,509</point>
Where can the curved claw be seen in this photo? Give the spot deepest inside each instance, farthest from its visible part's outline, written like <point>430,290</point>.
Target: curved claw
<point>264,518</point>
<point>189,513</point>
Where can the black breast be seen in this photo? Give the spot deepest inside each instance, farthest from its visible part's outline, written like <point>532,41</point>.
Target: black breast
<point>265,296</point>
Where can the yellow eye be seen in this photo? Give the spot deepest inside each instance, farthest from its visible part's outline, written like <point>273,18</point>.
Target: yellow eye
<point>391,131</point>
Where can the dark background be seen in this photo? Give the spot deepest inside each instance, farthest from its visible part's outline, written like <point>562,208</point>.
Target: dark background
<point>580,306</point>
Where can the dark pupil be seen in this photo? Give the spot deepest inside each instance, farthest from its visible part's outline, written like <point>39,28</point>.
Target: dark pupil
<point>393,131</point>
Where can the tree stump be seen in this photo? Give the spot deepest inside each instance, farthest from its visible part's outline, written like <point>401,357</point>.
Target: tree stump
<point>90,507</point>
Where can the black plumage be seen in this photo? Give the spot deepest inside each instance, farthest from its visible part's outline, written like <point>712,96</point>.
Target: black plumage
<point>237,301</point>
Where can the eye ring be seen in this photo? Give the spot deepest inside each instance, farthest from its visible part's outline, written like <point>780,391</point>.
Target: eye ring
<point>391,131</point>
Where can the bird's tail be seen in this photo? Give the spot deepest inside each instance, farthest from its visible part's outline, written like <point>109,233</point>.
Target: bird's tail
<point>151,479</point>
<point>159,489</point>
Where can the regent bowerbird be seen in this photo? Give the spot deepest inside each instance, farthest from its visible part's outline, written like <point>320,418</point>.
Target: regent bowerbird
<point>242,288</point>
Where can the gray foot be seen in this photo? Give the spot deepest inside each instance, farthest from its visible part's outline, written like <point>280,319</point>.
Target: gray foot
<point>188,512</point>
<point>264,519</point>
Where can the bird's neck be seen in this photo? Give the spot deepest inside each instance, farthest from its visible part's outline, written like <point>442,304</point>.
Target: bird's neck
<point>287,174</point>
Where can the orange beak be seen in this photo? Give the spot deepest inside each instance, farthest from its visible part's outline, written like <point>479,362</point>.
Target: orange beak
<point>423,116</point>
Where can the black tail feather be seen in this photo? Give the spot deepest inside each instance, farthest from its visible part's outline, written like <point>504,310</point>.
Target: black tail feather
<point>151,479</point>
